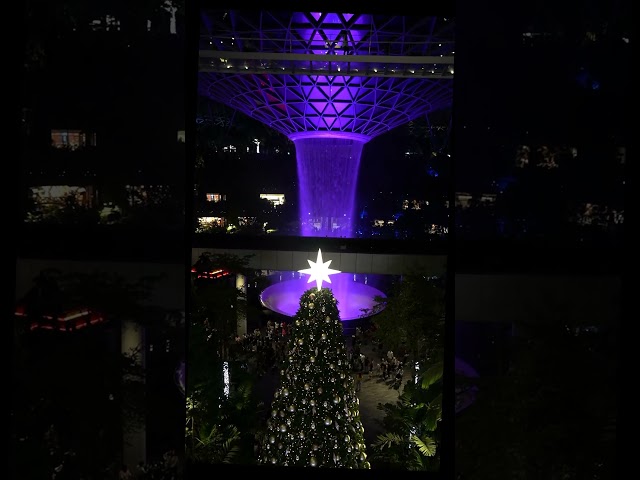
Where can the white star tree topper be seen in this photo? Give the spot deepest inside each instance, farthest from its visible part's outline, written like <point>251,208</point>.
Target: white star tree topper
<point>319,271</point>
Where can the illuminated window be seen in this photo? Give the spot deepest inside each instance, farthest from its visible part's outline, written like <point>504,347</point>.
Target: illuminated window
<point>181,136</point>
<point>275,198</point>
<point>212,221</point>
<point>109,23</point>
<point>216,197</point>
<point>414,204</point>
<point>72,139</point>
<point>58,195</point>
<point>488,198</point>
<point>463,199</point>
<point>141,195</point>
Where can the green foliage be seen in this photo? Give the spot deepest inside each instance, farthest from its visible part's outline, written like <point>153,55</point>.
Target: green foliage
<point>412,425</point>
<point>205,367</point>
<point>427,446</point>
<point>413,316</point>
<point>208,408</point>
<point>213,444</point>
<point>212,414</point>
<point>232,263</point>
<point>214,304</point>
<point>315,415</point>
<point>218,303</point>
<point>432,375</point>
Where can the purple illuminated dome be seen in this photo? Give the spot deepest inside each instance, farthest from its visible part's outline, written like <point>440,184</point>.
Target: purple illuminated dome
<point>352,296</point>
<point>330,82</point>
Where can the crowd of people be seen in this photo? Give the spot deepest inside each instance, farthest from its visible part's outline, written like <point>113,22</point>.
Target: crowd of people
<point>601,216</point>
<point>264,349</point>
<point>381,364</point>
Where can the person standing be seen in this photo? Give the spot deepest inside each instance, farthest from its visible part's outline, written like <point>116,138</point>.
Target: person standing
<point>125,473</point>
<point>141,471</point>
<point>171,463</point>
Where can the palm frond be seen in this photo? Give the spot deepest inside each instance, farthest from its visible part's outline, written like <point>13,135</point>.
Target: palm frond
<point>426,445</point>
<point>388,440</point>
<point>432,375</point>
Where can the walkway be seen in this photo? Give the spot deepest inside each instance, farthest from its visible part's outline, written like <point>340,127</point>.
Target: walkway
<point>375,390</point>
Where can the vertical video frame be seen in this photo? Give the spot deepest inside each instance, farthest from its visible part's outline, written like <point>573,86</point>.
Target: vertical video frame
<point>316,334</point>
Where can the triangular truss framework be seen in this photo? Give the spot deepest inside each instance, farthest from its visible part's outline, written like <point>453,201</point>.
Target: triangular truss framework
<point>327,72</point>
<point>299,103</point>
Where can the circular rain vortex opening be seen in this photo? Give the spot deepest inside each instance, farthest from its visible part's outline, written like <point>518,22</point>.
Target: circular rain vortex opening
<point>352,294</point>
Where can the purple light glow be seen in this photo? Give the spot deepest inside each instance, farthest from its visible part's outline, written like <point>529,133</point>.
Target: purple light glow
<point>180,377</point>
<point>465,397</point>
<point>294,104</point>
<point>324,29</point>
<point>329,118</point>
<point>352,296</point>
<point>327,176</point>
<point>327,114</point>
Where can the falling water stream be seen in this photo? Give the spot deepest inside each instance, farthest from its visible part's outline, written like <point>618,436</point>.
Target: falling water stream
<point>327,178</point>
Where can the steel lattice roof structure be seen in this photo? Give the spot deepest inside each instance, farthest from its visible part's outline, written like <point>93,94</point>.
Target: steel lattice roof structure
<point>327,74</point>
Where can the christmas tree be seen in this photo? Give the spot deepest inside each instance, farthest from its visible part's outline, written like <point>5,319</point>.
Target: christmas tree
<point>315,413</point>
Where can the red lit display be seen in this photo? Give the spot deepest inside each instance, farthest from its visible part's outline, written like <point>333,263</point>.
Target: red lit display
<point>210,275</point>
<point>71,320</point>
